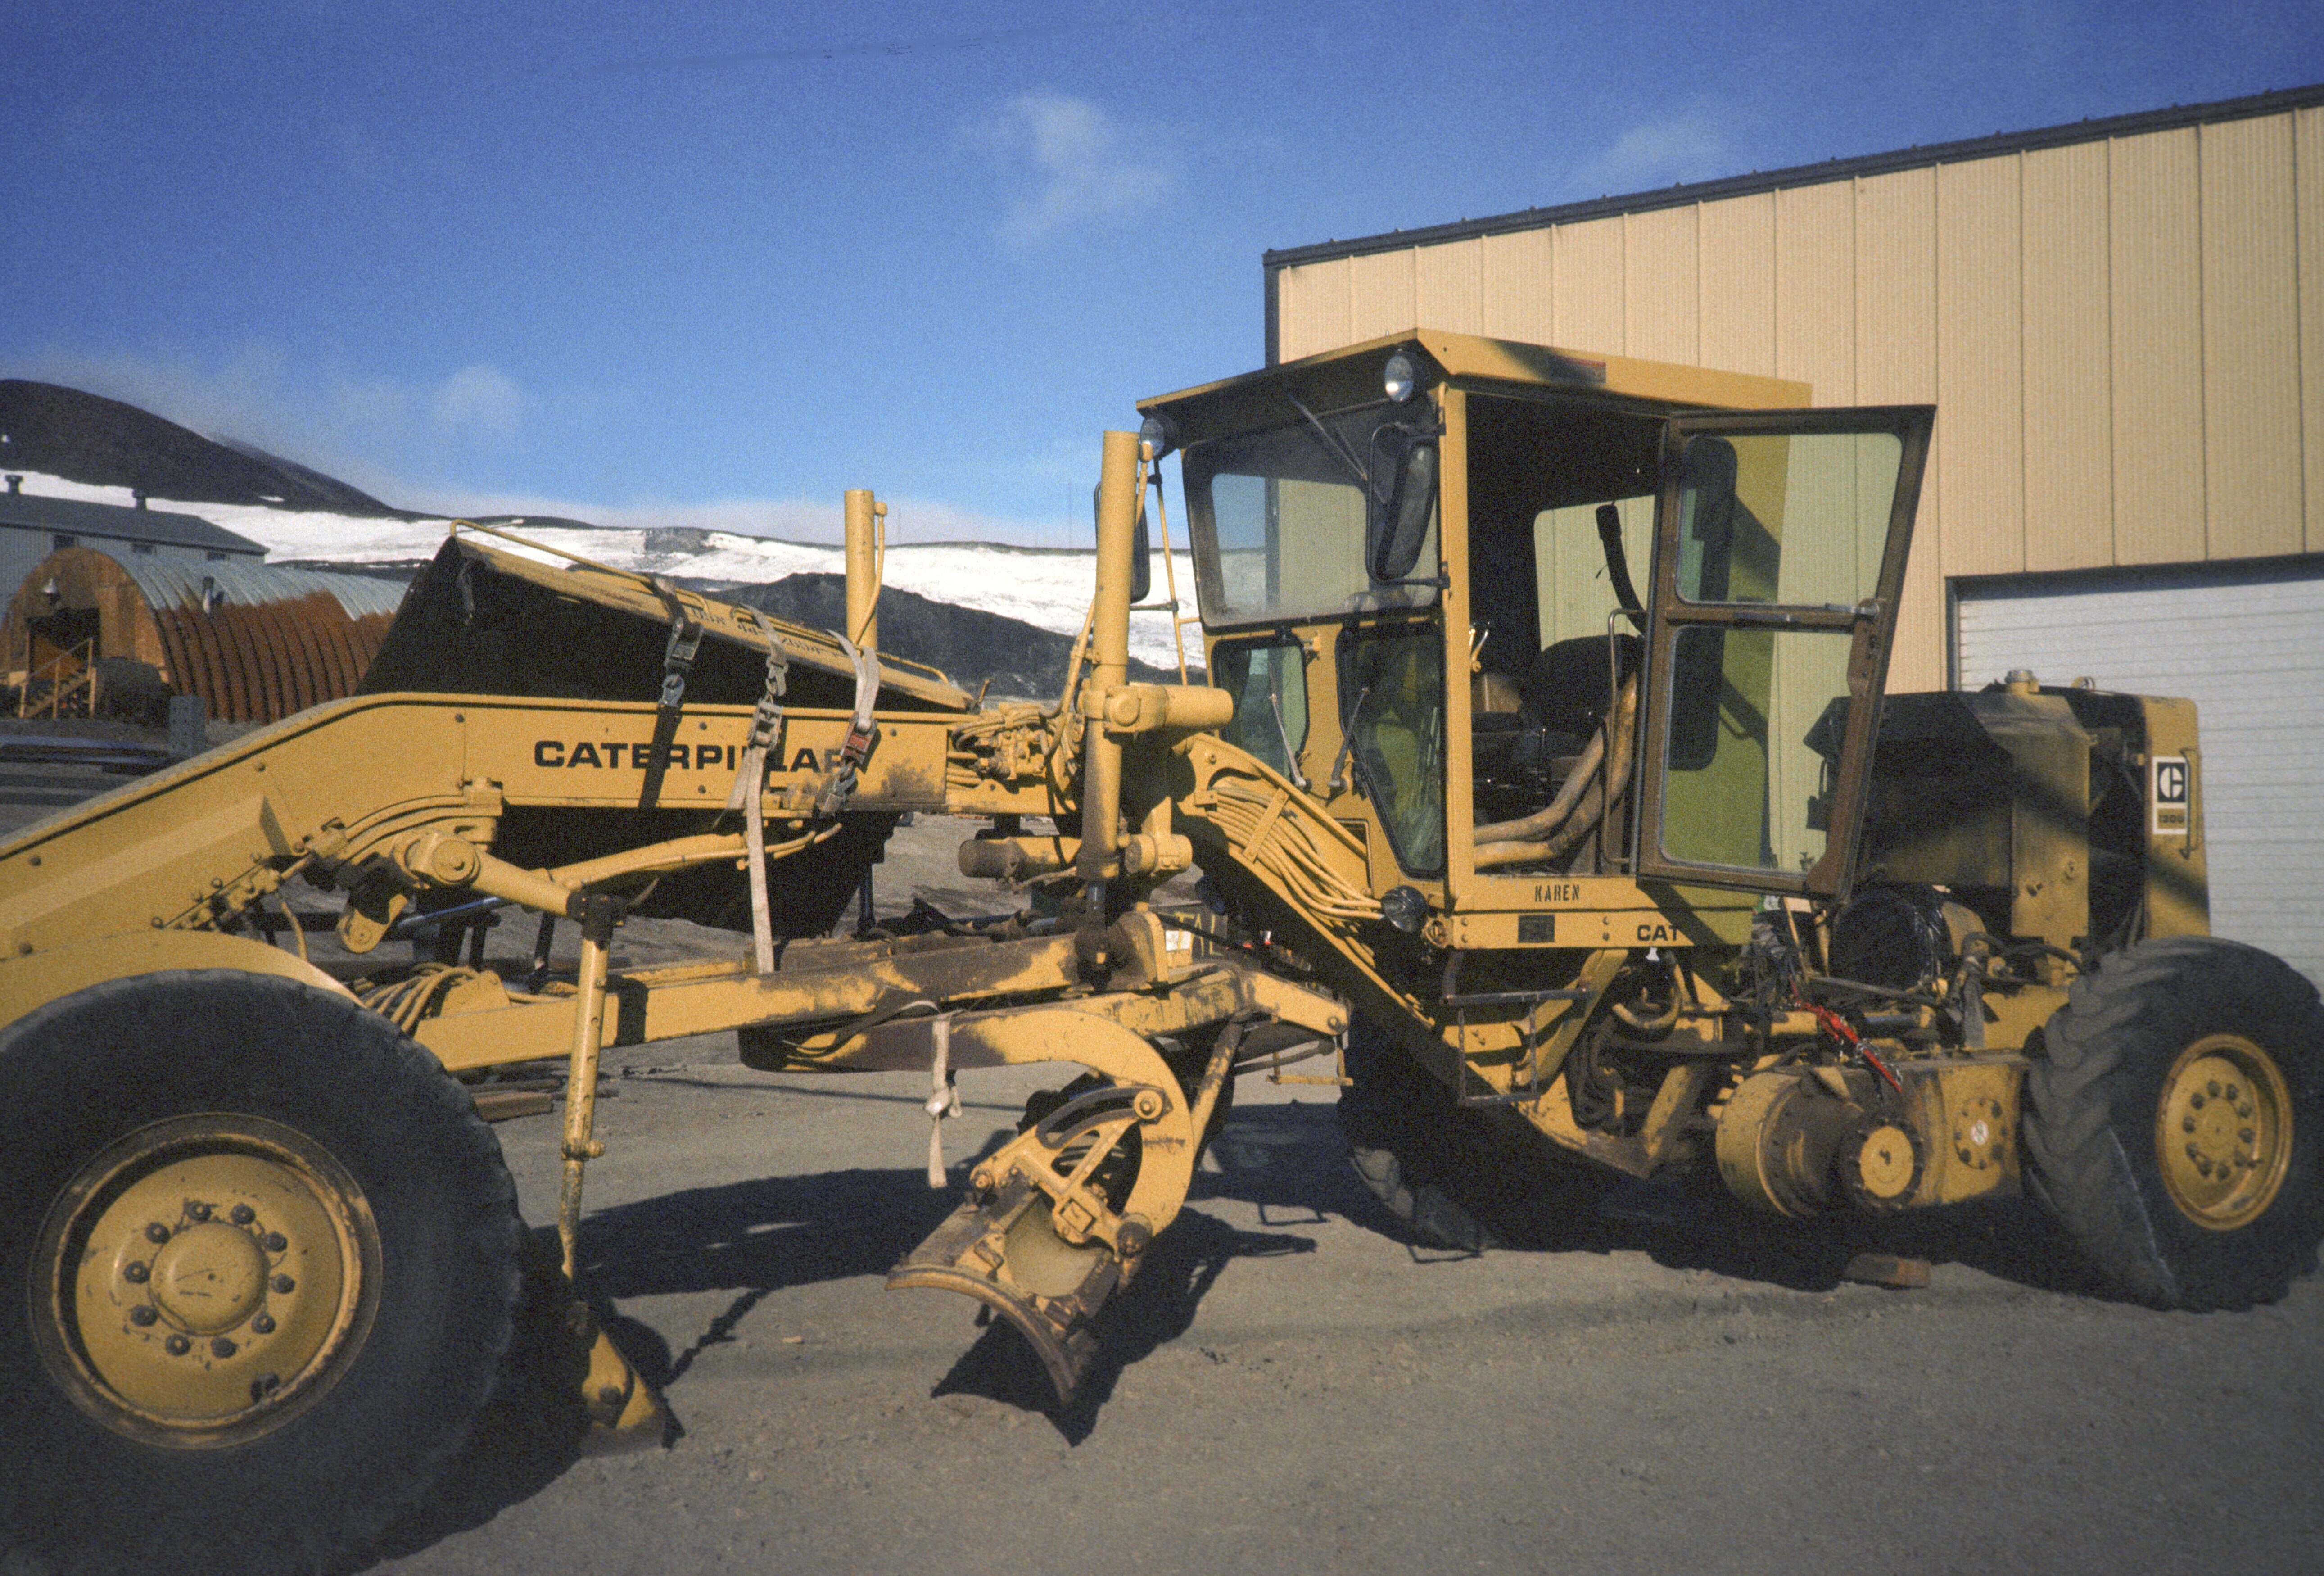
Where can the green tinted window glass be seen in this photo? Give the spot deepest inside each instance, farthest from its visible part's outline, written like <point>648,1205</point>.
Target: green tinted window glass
<point>1743,787</point>
<point>1394,690</point>
<point>1743,497</point>
<point>1269,684</point>
<point>1277,521</point>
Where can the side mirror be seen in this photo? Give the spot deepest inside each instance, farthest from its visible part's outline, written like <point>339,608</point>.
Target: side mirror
<point>1141,550</point>
<point>1141,558</point>
<point>1399,500</point>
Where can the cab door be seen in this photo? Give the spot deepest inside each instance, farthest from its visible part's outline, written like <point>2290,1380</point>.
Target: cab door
<point>1780,546</point>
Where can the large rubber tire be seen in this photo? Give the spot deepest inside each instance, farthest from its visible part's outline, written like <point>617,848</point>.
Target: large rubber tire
<point>2181,1052</point>
<point>258,1261</point>
<point>1454,1177</point>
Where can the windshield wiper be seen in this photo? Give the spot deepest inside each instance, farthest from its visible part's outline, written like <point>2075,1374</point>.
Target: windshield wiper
<point>1334,445</point>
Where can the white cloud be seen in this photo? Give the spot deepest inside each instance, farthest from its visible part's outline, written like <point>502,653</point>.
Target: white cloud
<point>479,396</point>
<point>1067,163</point>
<point>1662,153</point>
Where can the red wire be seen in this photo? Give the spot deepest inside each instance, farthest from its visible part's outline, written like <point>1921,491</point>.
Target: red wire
<point>1837,1027</point>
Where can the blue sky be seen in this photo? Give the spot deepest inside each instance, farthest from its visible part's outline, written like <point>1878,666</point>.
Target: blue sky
<point>715,263</point>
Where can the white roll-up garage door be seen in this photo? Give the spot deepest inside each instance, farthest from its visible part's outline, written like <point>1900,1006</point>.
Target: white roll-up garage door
<point>2246,643</point>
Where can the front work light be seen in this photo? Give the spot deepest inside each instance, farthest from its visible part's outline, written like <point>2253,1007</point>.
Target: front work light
<point>1401,378</point>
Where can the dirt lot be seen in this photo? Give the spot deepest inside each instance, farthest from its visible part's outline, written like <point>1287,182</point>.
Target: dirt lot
<point>1289,1389</point>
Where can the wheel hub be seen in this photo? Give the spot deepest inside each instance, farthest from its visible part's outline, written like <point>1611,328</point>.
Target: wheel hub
<point>207,1278</point>
<point>2223,1131</point>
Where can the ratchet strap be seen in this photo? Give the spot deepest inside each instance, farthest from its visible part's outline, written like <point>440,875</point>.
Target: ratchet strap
<point>861,732</point>
<point>748,794</point>
<point>677,665</point>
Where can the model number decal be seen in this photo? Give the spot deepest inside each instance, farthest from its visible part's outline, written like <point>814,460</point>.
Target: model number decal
<point>2173,784</point>
<point>619,754</point>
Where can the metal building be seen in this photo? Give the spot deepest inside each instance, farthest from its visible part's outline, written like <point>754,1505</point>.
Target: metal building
<point>31,527</point>
<point>256,641</point>
<point>2121,323</point>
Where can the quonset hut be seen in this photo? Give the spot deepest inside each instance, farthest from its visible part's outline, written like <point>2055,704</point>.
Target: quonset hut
<point>256,642</point>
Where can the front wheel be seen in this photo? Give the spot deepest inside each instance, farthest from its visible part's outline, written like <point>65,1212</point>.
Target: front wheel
<point>1452,1176</point>
<point>2174,1122</point>
<point>259,1264</point>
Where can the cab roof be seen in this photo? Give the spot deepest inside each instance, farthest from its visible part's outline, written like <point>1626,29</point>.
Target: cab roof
<point>1350,375</point>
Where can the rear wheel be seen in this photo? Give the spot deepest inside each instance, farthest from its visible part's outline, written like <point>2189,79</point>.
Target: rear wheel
<point>1453,1176</point>
<point>260,1266</point>
<point>2175,1122</point>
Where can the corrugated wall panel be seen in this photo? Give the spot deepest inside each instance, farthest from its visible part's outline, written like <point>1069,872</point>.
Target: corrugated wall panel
<point>1520,286</point>
<point>2307,189</point>
<point>1897,364</point>
<point>2158,348</point>
<point>2068,444</point>
<point>1738,250</point>
<point>1379,295</point>
<point>2246,645</point>
<point>1812,297</point>
<point>1661,295</point>
<point>1311,308</point>
<point>1588,301</point>
<point>1980,379</point>
<point>2251,341</point>
<point>1451,279</point>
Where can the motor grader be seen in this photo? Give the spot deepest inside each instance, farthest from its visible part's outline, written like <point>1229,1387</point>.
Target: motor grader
<point>1582,883</point>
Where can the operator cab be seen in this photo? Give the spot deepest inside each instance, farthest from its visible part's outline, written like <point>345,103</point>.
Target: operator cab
<point>1518,613</point>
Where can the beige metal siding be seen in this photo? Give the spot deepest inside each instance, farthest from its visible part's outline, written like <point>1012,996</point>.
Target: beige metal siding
<point>2067,359</point>
<point>2156,276</point>
<point>1980,452</point>
<point>1520,289</point>
<point>1813,246</point>
<point>1895,304</point>
<point>2251,341</point>
<point>2308,198</point>
<point>1589,288</point>
<point>1661,300</point>
<point>2124,335</point>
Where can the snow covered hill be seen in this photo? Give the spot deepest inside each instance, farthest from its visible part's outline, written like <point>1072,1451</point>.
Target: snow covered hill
<point>1047,587</point>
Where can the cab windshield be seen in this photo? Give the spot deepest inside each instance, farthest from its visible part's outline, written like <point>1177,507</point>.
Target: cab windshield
<point>1277,521</point>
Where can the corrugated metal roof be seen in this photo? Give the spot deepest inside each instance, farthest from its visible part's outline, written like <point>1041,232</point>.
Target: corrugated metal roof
<point>2120,125</point>
<point>161,526</point>
<point>177,583</point>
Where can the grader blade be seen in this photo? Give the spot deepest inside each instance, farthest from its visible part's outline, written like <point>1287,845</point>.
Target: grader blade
<point>1007,1254</point>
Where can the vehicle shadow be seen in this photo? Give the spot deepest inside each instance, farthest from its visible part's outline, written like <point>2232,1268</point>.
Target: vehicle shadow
<point>752,1238</point>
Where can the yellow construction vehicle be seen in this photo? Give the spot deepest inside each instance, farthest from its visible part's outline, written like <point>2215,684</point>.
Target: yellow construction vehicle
<point>1584,883</point>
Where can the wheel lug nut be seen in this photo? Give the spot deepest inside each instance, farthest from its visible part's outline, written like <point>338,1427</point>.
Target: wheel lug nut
<point>282,1284</point>
<point>2195,1099</point>
<point>2187,1124</point>
<point>2244,1111</point>
<point>262,1323</point>
<point>143,1315</point>
<point>2193,1153</point>
<point>199,1212</point>
<point>242,1214</point>
<point>2212,1088</point>
<point>276,1242</point>
<point>179,1345</point>
<point>221,1346</point>
<point>157,1233</point>
<point>2246,1134</point>
<point>2232,1092</point>
<point>134,1273</point>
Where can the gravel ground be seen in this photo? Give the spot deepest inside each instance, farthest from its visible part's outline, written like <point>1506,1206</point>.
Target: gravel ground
<point>1287,1389</point>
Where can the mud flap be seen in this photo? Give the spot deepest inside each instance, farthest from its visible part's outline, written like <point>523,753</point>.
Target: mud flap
<point>1005,1252</point>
